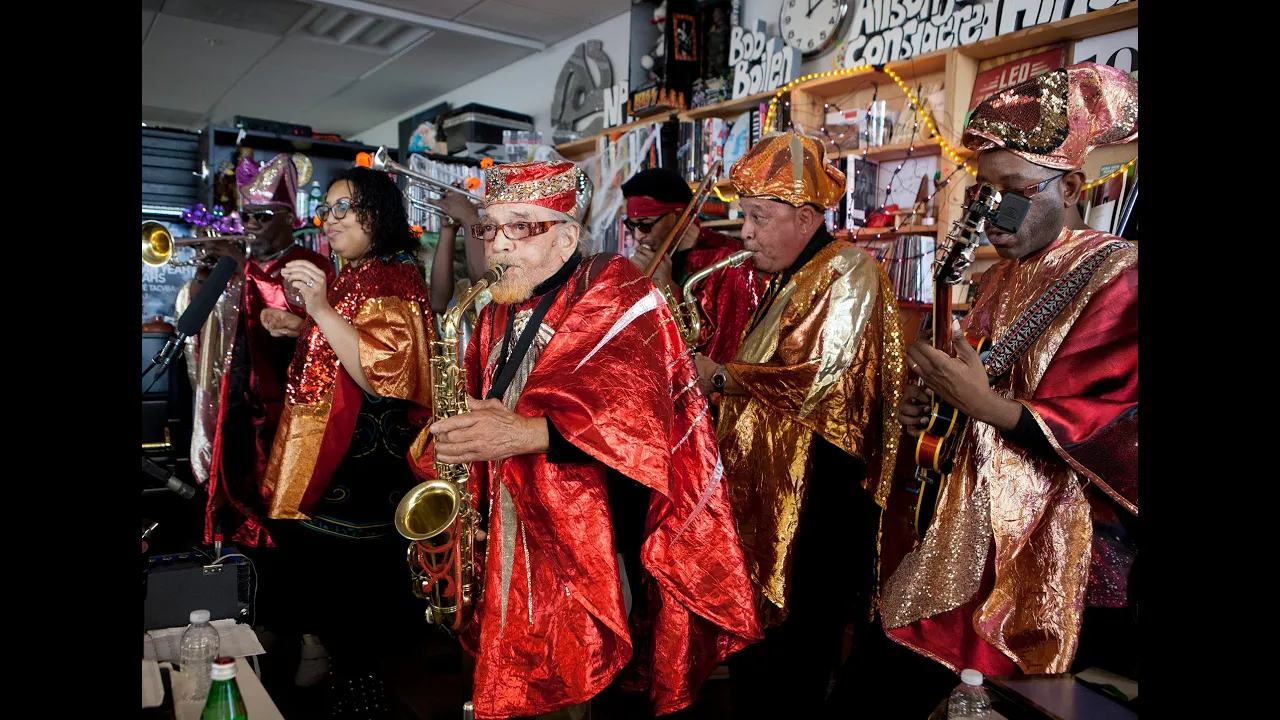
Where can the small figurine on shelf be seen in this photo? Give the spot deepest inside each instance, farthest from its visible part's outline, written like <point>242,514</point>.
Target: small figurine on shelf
<point>653,62</point>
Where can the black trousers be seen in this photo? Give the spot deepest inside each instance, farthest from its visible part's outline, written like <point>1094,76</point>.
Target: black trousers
<point>832,576</point>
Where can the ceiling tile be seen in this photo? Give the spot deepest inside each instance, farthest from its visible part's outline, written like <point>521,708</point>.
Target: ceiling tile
<point>268,16</point>
<point>147,17</point>
<point>188,65</point>
<point>444,9</point>
<point>303,54</point>
<point>346,118</point>
<point>522,21</point>
<point>592,12</point>
<point>279,93</point>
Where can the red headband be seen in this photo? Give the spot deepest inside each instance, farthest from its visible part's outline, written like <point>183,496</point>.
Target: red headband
<point>642,207</point>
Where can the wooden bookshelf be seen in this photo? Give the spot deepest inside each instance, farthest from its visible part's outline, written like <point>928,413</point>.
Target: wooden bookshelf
<point>729,109</point>
<point>586,147</point>
<point>723,223</point>
<point>886,232</point>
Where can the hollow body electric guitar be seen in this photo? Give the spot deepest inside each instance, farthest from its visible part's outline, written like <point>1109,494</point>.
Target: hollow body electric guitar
<point>937,444</point>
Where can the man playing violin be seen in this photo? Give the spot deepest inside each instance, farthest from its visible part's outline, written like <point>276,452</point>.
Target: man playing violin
<point>1035,529</point>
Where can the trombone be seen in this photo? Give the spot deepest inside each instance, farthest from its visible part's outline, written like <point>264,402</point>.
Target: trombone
<point>158,244</point>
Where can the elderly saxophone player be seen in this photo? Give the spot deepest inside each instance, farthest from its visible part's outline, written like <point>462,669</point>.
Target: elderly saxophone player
<point>807,428</point>
<point>588,442</point>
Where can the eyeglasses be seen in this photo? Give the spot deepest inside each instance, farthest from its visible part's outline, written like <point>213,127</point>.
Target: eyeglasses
<point>644,226</point>
<point>261,216</point>
<point>339,210</point>
<point>971,192</point>
<point>513,231</point>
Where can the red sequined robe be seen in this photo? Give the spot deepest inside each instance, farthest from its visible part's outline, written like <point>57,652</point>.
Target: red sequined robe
<point>609,370</point>
<point>386,300</point>
<point>727,297</point>
<point>1012,557</point>
<point>260,287</point>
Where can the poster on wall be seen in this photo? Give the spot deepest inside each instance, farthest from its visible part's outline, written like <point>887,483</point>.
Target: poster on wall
<point>1014,72</point>
<point>885,31</point>
<point>160,285</point>
<point>1117,49</point>
<point>760,63</point>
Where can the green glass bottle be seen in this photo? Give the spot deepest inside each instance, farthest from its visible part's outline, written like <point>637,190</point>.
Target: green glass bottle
<point>225,702</point>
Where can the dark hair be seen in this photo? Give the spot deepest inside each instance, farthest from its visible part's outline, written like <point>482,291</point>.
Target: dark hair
<point>661,184</point>
<point>379,205</point>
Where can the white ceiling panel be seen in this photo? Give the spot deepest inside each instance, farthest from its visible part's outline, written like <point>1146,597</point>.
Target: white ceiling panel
<point>147,17</point>
<point>188,65</point>
<point>268,16</point>
<point>341,116</point>
<point>592,12</point>
<point>523,21</point>
<point>444,9</point>
<point>278,93</point>
<point>302,54</point>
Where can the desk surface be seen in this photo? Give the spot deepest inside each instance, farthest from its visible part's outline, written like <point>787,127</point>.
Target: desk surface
<point>256,701</point>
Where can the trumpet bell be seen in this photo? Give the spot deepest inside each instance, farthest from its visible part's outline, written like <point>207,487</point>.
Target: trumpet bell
<point>157,244</point>
<point>428,509</point>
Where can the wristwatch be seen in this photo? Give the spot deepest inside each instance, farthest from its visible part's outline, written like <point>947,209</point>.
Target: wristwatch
<point>719,378</point>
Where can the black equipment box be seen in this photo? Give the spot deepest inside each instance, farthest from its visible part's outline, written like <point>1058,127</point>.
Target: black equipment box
<point>272,126</point>
<point>177,585</point>
<point>476,123</point>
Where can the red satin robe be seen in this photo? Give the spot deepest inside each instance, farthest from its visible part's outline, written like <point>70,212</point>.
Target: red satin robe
<point>727,297</point>
<point>268,357</point>
<point>1014,555</point>
<point>609,370</point>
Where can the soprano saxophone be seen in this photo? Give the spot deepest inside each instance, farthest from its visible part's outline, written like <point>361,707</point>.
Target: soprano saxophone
<point>688,315</point>
<point>438,516</point>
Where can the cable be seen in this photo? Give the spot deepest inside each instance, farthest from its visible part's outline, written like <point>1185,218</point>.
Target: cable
<point>253,575</point>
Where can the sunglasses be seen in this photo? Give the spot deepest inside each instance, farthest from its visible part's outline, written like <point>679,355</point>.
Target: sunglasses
<point>513,231</point>
<point>261,216</point>
<point>644,226</point>
<point>971,192</point>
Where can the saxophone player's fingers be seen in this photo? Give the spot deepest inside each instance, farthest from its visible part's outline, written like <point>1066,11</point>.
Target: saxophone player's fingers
<point>450,424</point>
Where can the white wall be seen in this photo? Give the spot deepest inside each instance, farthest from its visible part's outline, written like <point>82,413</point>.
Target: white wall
<point>525,86</point>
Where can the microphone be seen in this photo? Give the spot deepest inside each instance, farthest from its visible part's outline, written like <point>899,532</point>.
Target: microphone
<point>185,491</point>
<point>196,313</point>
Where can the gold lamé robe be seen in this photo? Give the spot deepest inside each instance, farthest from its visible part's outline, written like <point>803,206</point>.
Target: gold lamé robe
<point>825,360</point>
<point>207,354</point>
<point>1002,572</point>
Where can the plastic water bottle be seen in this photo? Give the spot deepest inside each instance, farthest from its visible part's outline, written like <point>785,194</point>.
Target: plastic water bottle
<point>199,649</point>
<point>969,700</point>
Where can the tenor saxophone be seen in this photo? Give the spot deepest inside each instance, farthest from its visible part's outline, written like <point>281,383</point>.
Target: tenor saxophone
<point>688,314</point>
<point>438,516</point>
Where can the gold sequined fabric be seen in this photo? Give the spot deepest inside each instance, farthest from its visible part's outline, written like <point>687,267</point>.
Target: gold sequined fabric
<point>789,167</point>
<point>275,185</point>
<point>825,359</point>
<point>1033,511</point>
<point>1058,118</point>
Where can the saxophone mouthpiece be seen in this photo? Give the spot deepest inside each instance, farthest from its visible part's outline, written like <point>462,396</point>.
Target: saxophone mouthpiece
<point>494,274</point>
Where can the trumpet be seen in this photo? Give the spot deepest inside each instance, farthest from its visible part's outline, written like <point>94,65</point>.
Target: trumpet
<point>381,162</point>
<point>688,315</point>
<point>158,244</point>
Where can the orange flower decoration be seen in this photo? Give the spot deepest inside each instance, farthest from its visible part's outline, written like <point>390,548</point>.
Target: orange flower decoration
<point>364,160</point>
<point>472,183</point>
<point>415,230</point>
<point>315,220</point>
<point>486,163</point>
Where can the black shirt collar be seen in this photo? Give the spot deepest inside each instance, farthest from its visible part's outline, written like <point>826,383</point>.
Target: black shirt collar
<point>819,240</point>
<point>560,278</point>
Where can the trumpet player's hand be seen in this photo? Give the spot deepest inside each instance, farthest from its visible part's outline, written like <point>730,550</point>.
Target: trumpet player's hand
<point>281,323</point>
<point>309,281</point>
<point>488,431</point>
<point>217,249</point>
<point>460,209</point>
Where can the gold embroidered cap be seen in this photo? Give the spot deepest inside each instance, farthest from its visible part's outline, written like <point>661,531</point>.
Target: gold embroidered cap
<point>556,185</point>
<point>1057,119</point>
<point>789,167</point>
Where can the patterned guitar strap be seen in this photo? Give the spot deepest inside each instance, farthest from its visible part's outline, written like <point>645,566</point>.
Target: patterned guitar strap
<point>1037,318</point>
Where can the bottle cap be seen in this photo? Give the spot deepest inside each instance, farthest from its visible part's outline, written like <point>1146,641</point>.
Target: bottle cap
<point>224,668</point>
<point>199,616</point>
<point>971,677</point>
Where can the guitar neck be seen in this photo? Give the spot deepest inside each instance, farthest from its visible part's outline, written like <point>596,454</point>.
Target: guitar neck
<point>941,319</point>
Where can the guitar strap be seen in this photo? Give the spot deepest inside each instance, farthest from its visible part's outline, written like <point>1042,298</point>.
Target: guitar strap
<point>1042,312</point>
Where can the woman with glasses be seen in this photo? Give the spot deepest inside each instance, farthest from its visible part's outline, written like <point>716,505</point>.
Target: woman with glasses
<point>359,392</point>
<point>655,199</point>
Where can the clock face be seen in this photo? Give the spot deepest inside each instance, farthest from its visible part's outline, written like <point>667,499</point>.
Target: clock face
<point>812,26</point>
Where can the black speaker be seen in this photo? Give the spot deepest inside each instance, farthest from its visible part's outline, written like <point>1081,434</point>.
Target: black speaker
<point>176,585</point>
